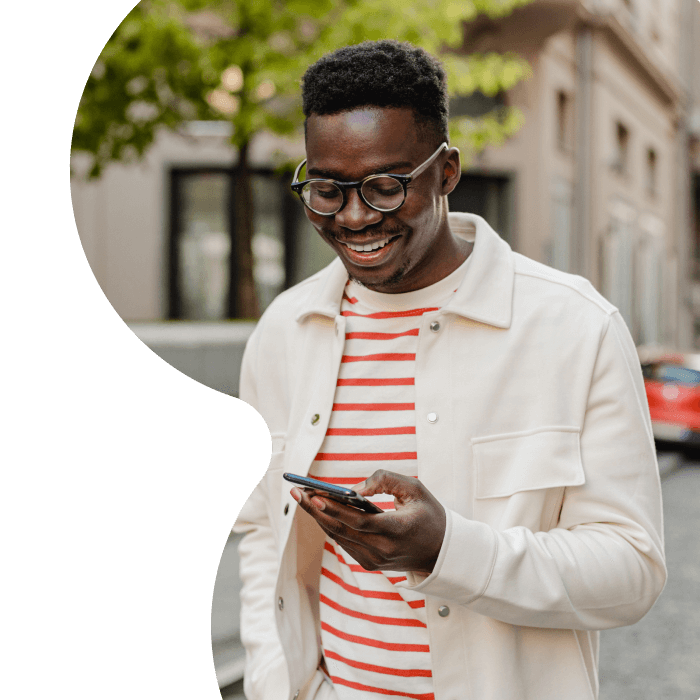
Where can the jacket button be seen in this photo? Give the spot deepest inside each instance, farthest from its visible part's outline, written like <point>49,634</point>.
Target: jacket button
<point>280,603</point>
<point>432,418</point>
<point>435,326</point>
<point>443,610</point>
<point>296,695</point>
<point>286,508</point>
<point>315,419</point>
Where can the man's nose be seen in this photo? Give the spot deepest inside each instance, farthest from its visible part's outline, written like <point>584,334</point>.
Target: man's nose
<point>356,215</point>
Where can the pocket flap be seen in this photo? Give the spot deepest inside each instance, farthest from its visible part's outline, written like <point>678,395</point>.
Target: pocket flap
<point>536,459</point>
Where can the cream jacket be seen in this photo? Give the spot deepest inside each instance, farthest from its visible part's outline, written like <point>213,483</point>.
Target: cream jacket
<point>542,456</point>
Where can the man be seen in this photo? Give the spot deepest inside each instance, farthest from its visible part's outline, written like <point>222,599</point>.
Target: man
<point>492,406</point>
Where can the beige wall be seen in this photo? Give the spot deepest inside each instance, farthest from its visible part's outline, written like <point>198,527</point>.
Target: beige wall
<point>657,27</point>
<point>534,152</point>
<point>694,88</point>
<point>520,156</point>
<point>621,96</point>
<point>559,164</point>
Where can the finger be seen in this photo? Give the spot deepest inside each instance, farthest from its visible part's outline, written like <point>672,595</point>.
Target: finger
<point>320,510</point>
<point>360,487</point>
<point>353,518</point>
<point>369,486</point>
<point>403,488</point>
<point>313,506</point>
<point>307,500</point>
<point>364,488</point>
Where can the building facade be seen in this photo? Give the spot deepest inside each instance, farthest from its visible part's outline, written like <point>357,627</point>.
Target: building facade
<point>598,182</point>
<point>601,170</point>
<point>693,161</point>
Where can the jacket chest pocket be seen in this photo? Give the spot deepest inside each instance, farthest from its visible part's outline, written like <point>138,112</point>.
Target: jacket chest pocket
<point>520,478</point>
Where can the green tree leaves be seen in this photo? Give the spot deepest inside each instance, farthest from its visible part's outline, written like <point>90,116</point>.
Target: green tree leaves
<point>173,60</point>
<point>149,75</point>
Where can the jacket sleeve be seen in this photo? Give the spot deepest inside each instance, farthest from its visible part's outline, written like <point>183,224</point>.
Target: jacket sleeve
<point>266,675</point>
<point>603,565</point>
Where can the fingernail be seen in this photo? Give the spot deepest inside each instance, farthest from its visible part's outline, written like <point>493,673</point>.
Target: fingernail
<point>296,495</point>
<point>318,503</point>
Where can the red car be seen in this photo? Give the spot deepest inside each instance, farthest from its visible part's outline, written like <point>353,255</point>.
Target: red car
<point>672,382</point>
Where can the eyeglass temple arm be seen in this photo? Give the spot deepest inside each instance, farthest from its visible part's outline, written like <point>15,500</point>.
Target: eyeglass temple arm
<point>428,162</point>
<point>297,171</point>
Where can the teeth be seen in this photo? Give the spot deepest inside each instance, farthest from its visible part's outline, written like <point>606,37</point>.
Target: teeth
<point>368,247</point>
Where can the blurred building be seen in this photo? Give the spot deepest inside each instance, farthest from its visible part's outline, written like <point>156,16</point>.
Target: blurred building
<point>603,180</point>
<point>600,170</point>
<point>693,157</point>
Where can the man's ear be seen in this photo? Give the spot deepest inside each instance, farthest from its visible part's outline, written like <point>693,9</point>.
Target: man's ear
<point>452,171</point>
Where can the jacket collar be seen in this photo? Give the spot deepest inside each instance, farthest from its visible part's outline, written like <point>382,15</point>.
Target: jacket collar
<point>485,294</point>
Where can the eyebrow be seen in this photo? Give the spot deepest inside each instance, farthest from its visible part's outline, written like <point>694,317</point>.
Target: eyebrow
<point>333,175</point>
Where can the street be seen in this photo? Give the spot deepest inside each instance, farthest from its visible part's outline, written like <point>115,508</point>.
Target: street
<point>659,657</point>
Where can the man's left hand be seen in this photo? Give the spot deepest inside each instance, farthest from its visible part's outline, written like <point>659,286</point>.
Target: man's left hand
<point>406,539</point>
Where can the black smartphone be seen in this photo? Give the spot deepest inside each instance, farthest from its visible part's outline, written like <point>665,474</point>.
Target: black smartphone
<point>338,493</point>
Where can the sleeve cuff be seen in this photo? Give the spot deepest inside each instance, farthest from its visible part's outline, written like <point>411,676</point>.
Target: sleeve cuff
<point>465,563</point>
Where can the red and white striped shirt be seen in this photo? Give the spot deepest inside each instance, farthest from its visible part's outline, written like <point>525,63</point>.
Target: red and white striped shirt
<point>374,635</point>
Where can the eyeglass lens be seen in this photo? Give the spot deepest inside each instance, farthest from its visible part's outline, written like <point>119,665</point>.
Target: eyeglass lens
<point>382,192</point>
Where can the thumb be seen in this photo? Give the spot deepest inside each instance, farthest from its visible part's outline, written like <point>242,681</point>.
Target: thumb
<point>403,488</point>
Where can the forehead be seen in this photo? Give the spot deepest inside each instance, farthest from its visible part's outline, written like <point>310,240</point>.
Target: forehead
<point>354,143</point>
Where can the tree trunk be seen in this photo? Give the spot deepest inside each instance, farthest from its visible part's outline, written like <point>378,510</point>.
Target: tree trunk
<point>245,303</point>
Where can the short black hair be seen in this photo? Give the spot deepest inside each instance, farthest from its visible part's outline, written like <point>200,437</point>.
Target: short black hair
<point>383,73</point>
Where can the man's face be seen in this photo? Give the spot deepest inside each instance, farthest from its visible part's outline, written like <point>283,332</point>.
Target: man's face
<point>418,244</point>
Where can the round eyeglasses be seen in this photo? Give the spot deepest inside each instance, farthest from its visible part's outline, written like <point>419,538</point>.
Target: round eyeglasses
<point>383,193</point>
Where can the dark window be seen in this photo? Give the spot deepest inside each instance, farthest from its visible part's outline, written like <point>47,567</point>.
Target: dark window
<point>203,265</point>
<point>564,126</point>
<point>620,160</point>
<point>695,217</point>
<point>476,104</point>
<point>489,196</point>
<point>651,171</point>
<point>671,373</point>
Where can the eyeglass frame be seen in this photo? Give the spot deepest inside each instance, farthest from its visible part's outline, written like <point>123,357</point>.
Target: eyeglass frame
<point>403,180</point>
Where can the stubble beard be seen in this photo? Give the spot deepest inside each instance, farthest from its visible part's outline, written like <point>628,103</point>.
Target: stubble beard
<point>388,283</point>
<point>399,274</point>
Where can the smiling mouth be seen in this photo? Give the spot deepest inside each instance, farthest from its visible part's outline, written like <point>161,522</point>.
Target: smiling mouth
<point>369,247</point>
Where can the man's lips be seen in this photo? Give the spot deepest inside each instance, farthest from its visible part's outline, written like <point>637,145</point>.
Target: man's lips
<point>368,246</point>
<point>372,252</point>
